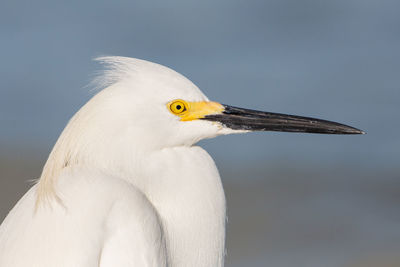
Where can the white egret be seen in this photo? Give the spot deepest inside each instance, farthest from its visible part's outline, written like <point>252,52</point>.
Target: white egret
<point>125,184</point>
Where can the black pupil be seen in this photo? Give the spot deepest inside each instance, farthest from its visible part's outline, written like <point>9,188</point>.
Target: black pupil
<point>178,107</point>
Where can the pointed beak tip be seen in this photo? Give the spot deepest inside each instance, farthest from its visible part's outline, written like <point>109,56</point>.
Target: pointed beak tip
<point>351,131</point>
<point>356,131</point>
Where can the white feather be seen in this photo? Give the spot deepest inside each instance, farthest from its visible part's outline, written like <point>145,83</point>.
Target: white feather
<point>124,185</point>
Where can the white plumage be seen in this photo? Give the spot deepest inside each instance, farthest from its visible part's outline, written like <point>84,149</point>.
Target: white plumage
<point>125,184</point>
<point>133,189</point>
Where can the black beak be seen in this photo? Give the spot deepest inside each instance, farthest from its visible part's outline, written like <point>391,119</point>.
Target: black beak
<point>253,120</point>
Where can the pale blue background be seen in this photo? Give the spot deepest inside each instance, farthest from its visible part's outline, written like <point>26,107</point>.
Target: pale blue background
<point>338,60</point>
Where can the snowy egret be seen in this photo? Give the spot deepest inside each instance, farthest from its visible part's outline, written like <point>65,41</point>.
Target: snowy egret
<point>125,184</point>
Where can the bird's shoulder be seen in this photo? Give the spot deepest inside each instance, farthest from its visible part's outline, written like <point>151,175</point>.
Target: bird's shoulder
<point>98,215</point>
<point>78,187</point>
<point>131,226</point>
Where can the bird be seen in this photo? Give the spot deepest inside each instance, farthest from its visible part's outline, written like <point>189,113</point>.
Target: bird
<point>126,183</point>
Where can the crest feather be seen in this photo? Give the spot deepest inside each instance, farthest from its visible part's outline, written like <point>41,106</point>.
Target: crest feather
<point>117,69</point>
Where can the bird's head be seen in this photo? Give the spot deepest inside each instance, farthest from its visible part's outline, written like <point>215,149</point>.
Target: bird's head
<point>148,106</point>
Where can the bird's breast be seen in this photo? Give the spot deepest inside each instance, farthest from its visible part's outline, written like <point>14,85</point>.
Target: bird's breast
<point>184,186</point>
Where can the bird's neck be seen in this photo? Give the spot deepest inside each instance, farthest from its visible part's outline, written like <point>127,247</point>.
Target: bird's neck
<point>185,188</point>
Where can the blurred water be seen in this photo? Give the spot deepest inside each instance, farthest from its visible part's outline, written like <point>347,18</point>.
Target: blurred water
<point>313,218</point>
<point>293,199</point>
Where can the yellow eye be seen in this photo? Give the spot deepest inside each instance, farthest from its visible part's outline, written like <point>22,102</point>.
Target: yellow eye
<point>178,106</point>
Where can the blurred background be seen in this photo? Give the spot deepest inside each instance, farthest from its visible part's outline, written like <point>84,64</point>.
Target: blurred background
<point>293,199</point>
